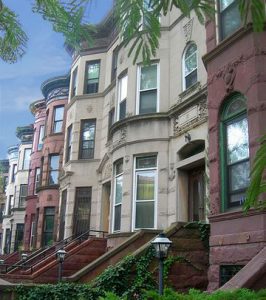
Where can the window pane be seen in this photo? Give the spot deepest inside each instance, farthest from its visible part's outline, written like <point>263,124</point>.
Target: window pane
<point>230,19</point>
<point>145,215</point>
<point>237,105</point>
<point>123,88</point>
<point>237,141</point>
<point>146,162</point>
<point>148,102</point>
<point>54,162</point>
<point>93,70</point>
<point>239,176</point>
<point>145,186</point>
<point>117,217</point>
<point>122,110</point>
<point>118,189</point>
<point>119,167</point>
<point>191,78</point>
<point>237,199</point>
<point>148,77</point>
<point>59,113</point>
<point>190,62</point>
<point>53,178</point>
<point>41,135</point>
<point>88,131</point>
<point>26,163</point>
<point>225,3</point>
<point>58,126</point>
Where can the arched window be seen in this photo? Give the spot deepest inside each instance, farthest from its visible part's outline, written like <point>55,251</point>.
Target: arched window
<point>190,65</point>
<point>234,152</point>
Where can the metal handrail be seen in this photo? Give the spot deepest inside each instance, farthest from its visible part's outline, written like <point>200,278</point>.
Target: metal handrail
<point>57,246</point>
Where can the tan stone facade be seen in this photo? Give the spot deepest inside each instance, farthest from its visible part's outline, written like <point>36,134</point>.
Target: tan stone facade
<point>146,116</point>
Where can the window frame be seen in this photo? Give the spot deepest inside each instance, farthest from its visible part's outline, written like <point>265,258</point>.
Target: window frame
<point>14,172</point>
<point>68,142</point>
<point>155,201</point>
<point>81,137</point>
<point>157,63</point>
<point>119,100</point>
<point>91,62</point>
<point>114,64</point>
<point>220,22</point>
<point>53,170</point>
<point>22,198</point>
<point>58,121</point>
<point>74,82</point>
<point>40,137</point>
<point>37,183</point>
<point>184,75</point>
<point>116,176</point>
<point>224,165</point>
<point>24,155</point>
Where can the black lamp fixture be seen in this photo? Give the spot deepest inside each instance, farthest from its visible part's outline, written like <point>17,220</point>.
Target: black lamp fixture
<point>60,255</point>
<point>161,245</point>
<point>24,256</point>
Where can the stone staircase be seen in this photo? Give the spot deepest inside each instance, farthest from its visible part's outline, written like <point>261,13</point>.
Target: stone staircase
<point>42,266</point>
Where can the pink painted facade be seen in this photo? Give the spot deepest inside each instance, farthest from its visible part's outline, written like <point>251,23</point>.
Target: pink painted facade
<point>38,110</point>
<point>236,64</point>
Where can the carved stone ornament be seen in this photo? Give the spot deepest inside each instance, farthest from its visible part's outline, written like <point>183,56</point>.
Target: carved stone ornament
<point>89,108</point>
<point>58,93</point>
<point>191,118</point>
<point>188,27</point>
<point>107,172</point>
<point>121,139</point>
<point>171,176</point>
<point>229,77</point>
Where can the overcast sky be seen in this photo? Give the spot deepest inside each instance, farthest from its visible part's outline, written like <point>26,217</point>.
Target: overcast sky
<point>46,57</point>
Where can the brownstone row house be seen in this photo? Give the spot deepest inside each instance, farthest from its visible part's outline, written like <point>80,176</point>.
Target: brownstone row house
<point>119,147</point>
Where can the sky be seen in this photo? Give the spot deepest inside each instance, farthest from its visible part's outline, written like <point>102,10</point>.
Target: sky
<point>45,58</point>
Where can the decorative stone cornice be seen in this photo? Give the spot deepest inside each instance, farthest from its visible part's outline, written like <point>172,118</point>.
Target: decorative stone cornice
<point>25,133</point>
<point>37,106</point>
<point>56,87</point>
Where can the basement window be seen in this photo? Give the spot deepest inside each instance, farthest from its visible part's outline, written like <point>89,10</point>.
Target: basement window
<point>228,271</point>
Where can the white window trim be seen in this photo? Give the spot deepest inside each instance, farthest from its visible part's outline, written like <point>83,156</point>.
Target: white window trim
<point>119,95</point>
<point>183,65</point>
<point>138,87</point>
<point>72,82</point>
<point>136,171</point>
<point>114,194</point>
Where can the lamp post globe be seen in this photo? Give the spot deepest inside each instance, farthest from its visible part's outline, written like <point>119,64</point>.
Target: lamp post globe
<point>60,255</point>
<point>161,245</point>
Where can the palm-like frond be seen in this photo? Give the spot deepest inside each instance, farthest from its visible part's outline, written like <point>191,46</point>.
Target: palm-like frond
<point>257,182</point>
<point>13,39</point>
<point>145,35</point>
<point>67,18</point>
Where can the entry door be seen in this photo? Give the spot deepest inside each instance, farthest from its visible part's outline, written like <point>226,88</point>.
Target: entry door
<point>81,220</point>
<point>62,215</point>
<point>196,192</point>
<point>19,236</point>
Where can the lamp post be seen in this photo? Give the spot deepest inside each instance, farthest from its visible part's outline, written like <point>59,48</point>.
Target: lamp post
<point>60,255</point>
<point>24,257</point>
<point>161,245</point>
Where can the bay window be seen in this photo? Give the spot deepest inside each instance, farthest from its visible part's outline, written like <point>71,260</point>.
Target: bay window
<point>26,159</point>
<point>145,191</point>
